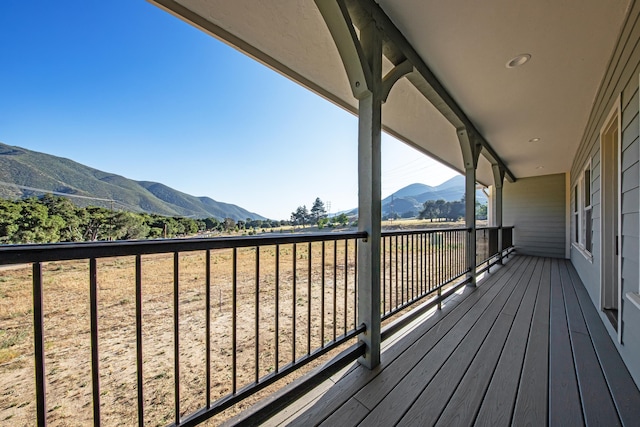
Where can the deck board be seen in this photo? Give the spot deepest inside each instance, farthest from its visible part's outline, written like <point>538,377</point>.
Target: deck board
<point>433,329</point>
<point>598,407</point>
<point>491,328</point>
<point>496,404</point>
<point>565,408</point>
<point>526,347</point>
<point>531,400</point>
<point>625,394</point>
<point>388,407</point>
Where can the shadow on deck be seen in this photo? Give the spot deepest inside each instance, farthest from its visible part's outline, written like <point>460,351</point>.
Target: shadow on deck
<point>525,347</point>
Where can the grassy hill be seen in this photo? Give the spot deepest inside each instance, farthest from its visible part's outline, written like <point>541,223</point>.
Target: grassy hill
<point>412,197</point>
<point>36,170</point>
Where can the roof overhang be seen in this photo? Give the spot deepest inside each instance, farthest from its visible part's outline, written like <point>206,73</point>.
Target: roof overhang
<point>464,46</point>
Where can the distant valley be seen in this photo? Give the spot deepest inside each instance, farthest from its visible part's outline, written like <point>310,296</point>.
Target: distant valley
<point>31,171</point>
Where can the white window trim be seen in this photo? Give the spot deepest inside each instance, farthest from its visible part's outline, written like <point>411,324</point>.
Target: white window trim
<point>634,298</point>
<point>579,211</point>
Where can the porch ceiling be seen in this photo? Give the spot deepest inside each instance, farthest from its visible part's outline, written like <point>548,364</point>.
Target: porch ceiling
<point>467,45</point>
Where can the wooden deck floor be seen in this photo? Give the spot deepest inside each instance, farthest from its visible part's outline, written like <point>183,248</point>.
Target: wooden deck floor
<point>526,347</point>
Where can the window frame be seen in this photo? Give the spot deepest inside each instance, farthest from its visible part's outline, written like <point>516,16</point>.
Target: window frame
<point>583,212</point>
<point>587,209</point>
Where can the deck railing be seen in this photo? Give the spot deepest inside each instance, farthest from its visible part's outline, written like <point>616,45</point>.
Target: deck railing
<point>487,242</point>
<point>417,263</point>
<point>236,314</point>
<point>285,301</point>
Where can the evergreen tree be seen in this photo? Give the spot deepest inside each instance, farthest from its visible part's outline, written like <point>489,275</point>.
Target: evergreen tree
<point>300,216</point>
<point>318,211</point>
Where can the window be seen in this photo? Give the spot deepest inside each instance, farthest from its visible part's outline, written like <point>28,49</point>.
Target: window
<point>582,211</point>
<point>587,208</point>
<point>576,216</point>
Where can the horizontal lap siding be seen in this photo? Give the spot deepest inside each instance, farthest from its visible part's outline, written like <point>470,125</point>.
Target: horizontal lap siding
<point>620,80</point>
<point>536,207</point>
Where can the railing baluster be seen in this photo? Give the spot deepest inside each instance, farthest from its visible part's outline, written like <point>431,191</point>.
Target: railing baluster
<point>335,287</point>
<point>402,282</point>
<point>429,261</point>
<point>346,281</point>
<point>322,284</point>
<point>461,251</point>
<point>420,264</point>
<point>293,311</point>
<point>414,261</point>
<point>355,283</point>
<point>234,321</point>
<point>257,314</point>
<point>409,267</point>
<point>425,264</point>
<point>95,355</point>
<point>207,326</point>
<point>439,269</point>
<point>456,253</point>
<point>38,342</point>
<point>397,264</point>
<point>139,359</point>
<point>277,309</point>
<point>309,303</point>
<point>390,273</point>
<point>449,252</point>
<point>384,275</point>
<point>414,292</point>
<point>443,258</point>
<point>176,334</point>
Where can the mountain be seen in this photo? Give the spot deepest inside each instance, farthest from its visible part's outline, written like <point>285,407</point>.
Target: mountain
<point>39,171</point>
<point>410,199</point>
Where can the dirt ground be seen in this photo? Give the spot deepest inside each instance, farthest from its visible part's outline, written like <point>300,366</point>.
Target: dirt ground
<point>67,333</point>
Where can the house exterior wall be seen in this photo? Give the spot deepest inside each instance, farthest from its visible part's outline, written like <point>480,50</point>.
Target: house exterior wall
<point>620,83</point>
<point>536,207</point>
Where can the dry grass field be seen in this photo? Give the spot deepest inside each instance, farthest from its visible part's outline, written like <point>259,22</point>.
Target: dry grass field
<point>67,333</point>
<point>67,329</point>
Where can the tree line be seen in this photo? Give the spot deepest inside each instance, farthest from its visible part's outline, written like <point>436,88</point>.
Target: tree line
<point>52,219</point>
<point>317,216</point>
<point>449,211</point>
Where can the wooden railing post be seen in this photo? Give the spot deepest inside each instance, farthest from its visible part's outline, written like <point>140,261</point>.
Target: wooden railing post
<point>369,197</point>
<point>361,54</point>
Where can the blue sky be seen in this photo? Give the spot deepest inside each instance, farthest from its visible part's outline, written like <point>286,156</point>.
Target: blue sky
<point>125,87</point>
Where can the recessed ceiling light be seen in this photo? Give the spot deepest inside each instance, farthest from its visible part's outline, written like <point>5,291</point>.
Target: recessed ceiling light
<point>534,140</point>
<point>519,60</point>
<point>540,167</point>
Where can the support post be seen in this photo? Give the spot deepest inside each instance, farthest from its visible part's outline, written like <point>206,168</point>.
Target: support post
<point>470,153</point>
<point>498,178</point>
<point>361,54</point>
<point>369,197</point>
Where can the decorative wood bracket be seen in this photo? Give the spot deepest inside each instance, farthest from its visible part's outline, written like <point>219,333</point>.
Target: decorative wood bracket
<point>471,148</point>
<point>340,25</point>
<point>352,51</point>
<point>498,175</point>
<point>399,71</point>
